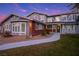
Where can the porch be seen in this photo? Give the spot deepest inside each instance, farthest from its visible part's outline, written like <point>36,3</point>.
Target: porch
<point>64,28</point>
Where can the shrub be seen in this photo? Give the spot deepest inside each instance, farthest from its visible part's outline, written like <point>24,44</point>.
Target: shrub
<point>7,34</point>
<point>45,32</point>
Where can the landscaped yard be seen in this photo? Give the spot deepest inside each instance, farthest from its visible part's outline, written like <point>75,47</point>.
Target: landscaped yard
<point>67,45</point>
<point>12,39</point>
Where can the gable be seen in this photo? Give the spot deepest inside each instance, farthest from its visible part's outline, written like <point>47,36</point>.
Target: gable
<point>12,17</point>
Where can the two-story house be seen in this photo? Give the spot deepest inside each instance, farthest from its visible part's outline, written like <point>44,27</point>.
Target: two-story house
<point>63,23</point>
<point>35,23</point>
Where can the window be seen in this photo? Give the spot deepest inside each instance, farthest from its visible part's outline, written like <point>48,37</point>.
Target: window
<point>57,19</point>
<point>49,26</point>
<point>15,28</point>
<point>63,18</point>
<point>6,26</point>
<point>18,28</point>
<point>16,18</point>
<point>49,19</point>
<point>39,26</point>
<point>69,17</point>
<point>23,27</point>
<point>9,26</point>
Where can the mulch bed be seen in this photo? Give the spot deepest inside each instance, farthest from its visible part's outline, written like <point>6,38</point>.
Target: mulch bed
<point>5,40</point>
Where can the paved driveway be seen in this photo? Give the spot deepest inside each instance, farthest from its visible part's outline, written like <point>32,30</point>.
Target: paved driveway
<point>54,37</point>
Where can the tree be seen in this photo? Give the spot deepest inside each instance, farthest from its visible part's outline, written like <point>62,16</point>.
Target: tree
<point>74,6</point>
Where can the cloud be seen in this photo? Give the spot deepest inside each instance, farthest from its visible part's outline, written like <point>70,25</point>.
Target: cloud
<point>36,9</point>
<point>46,9</point>
<point>23,10</point>
<point>59,10</point>
<point>20,8</point>
<point>56,11</point>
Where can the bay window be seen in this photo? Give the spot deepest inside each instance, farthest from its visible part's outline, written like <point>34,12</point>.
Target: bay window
<point>23,27</point>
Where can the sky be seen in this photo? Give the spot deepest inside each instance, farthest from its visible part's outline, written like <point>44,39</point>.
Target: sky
<point>23,9</point>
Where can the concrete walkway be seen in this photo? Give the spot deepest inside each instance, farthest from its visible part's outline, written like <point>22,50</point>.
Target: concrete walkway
<point>54,37</point>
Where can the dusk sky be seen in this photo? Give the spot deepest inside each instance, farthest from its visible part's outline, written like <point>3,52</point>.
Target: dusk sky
<point>24,9</point>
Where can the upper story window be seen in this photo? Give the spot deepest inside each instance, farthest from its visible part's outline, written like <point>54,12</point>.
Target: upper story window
<point>34,17</point>
<point>63,18</point>
<point>38,17</point>
<point>50,19</point>
<point>57,19</point>
<point>70,17</point>
<point>16,18</point>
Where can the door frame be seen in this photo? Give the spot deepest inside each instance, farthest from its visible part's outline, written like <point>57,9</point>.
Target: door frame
<point>58,28</point>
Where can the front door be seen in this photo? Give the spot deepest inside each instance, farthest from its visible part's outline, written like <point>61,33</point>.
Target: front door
<point>58,28</point>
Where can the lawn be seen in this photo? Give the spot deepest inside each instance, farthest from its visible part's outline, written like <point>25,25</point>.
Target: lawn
<point>68,45</point>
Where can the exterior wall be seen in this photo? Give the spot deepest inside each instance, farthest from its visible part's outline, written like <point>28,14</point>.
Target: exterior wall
<point>34,30</point>
<point>65,18</point>
<point>38,17</point>
<point>77,29</point>
<point>65,28</point>
<point>50,19</point>
<point>8,26</point>
<point>57,19</point>
<point>68,29</point>
<point>34,16</point>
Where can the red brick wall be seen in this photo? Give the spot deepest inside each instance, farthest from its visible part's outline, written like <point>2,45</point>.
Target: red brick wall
<point>37,32</point>
<point>33,31</point>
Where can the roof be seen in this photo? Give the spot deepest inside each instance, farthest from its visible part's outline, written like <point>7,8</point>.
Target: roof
<point>11,15</point>
<point>65,14</point>
<point>6,19</point>
<point>20,21</point>
<point>53,15</point>
<point>37,13</point>
<point>63,23</point>
<point>33,13</point>
<point>25,19</point>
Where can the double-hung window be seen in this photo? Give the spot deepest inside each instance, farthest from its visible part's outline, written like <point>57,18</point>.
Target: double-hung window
<point>23,27</point>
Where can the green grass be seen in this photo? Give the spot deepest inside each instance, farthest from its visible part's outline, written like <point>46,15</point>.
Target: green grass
<point>68,45</point>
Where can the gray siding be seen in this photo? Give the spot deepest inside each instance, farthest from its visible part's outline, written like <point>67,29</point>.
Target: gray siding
<point>77,29</point>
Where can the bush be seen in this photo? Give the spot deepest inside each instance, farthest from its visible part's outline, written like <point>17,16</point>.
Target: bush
<point>7,34</point>
<point>45,32</point>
